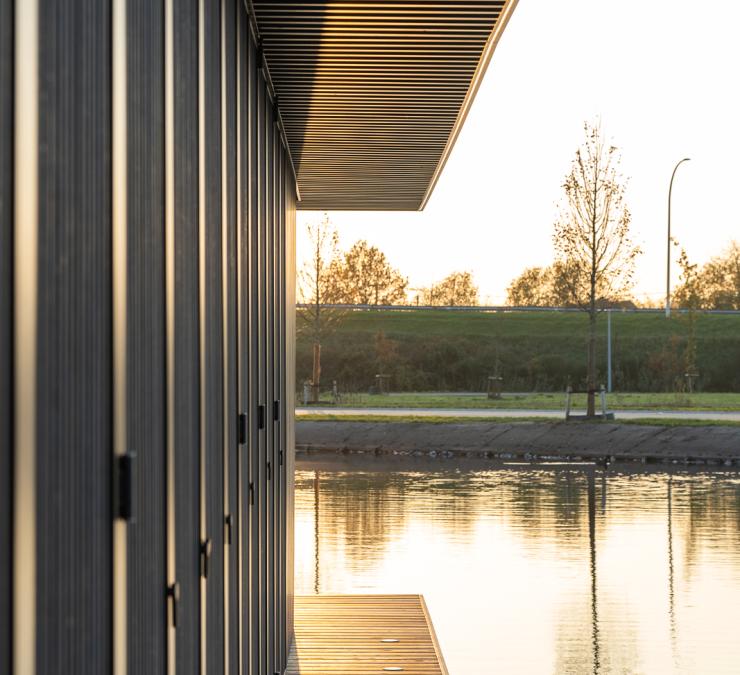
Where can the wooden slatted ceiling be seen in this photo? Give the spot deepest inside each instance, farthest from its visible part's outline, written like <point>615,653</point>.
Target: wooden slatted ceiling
<point>351,635</point>
<point>372,93</point>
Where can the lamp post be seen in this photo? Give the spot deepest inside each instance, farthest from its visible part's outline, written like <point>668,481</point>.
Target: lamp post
<point>668,258</point>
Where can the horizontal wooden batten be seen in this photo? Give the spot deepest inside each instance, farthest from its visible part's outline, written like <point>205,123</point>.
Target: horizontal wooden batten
<point>373,95</point>
<point>363,634</point>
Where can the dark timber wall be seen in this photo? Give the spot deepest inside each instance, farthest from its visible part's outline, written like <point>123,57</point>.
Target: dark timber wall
<point>146,358</point>
<point>147,207</point>
<point>6,295</point>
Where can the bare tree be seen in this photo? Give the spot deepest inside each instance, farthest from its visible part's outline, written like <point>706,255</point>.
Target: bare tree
<point>317,288</point>
<point>691,300</point>
<point>592,237</point>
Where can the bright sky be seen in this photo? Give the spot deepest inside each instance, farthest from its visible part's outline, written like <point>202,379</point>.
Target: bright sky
<point>663,76</point>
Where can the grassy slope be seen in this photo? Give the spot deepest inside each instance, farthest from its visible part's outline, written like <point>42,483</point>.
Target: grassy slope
<point>448,350</point>
<point>393,419</point>
<point>569,325</point>
<point>545,401</point>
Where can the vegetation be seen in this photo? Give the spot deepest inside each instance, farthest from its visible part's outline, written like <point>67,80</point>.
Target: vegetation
<point>363,276</point>
<point>317,289</point>
<point>697,402</point>
<point>715,285</point>
<point>455,290</point>
<point>439,350</point>
<point>440,419</point>
<point>591,238</point>
<point>539,287</point>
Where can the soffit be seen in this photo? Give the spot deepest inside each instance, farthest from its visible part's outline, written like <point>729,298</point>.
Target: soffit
<point>372,94</point>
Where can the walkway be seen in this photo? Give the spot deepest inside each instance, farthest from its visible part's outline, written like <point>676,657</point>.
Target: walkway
<point>362,634</point>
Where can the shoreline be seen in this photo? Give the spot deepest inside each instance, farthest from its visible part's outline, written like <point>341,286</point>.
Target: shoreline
<point>573,441</point>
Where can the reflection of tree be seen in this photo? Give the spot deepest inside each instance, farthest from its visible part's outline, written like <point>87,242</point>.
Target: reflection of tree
<point>710,514</point>
<point>365,510</point>
<point>671,593</point>
<point>592,568</point>
<point>607,653</point>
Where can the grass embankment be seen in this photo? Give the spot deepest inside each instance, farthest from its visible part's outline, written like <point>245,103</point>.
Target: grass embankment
<point>405,419</point>
<point>702,401</point>
<point>438,350</point>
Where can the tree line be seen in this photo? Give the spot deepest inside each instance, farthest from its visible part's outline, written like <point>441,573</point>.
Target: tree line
<point>593,268</point>
<point>714,285</point>
<point>362,275</point>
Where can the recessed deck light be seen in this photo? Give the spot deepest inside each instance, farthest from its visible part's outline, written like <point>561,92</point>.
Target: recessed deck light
<point>394,669</point>
<point>389,640</point>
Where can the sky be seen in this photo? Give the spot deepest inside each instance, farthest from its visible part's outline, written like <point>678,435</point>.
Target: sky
<point>663,76</point>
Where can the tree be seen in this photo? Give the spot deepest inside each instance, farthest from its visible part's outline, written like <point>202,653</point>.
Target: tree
<point>541,287</point>
<point>592,236</point>
<point>363,276</point>
<point>456,289</point>
<point>719,280</point>
<point>532,288</point>
<point>691,300</point>
<point>317,288</point>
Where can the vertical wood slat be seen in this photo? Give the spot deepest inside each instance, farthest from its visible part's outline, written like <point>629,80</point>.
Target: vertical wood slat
<point>202,333</point>
<point>231,367</point>
<point>255,453</point>
<point>269,383</point>
<point>146,341</point>
<point>187,333</point>
<point>261,475</point>
<point>25,268</point>
<point>6,331</point>
<point>228,413</point>
<point>169,235</point>
<point>242,344</point>
<point>74,356</point>
<point>215,349</point>
<point>119,267</point>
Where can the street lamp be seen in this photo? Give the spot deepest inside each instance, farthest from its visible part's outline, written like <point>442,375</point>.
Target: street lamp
<point>668,259</point>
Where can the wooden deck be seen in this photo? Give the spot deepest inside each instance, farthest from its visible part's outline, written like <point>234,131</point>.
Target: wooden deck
<point>361,634</point>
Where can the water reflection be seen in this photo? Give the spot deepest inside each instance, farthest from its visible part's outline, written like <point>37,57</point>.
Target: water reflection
<point>531,569</point>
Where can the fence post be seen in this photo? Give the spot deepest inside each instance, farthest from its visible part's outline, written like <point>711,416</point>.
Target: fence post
<point>609,350</point>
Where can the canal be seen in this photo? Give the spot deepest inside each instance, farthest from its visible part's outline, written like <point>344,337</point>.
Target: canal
<point>548,568</point>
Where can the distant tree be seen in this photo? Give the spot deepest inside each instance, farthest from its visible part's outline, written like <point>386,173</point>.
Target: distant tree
<point>317,288</point>
<point>541,287</point>
<point>363,276</point>
<point>456,289</point>
<point>592,236</point>
<point>532,288</point>
<point>719,280</point>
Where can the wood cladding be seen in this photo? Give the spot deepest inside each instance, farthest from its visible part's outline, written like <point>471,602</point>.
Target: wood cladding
<point>372,94</point>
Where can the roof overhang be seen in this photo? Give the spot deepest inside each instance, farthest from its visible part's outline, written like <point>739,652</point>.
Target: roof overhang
<point>372,94</point>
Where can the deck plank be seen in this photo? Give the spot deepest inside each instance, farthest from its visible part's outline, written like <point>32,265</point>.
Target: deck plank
<point>344,634</point>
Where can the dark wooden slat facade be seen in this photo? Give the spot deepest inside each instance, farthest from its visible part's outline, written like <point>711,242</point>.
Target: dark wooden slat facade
<point>148,192</point>
<point>200,347</point>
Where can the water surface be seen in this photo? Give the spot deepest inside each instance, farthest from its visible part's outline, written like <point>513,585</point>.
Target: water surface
<point>536,569</point>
